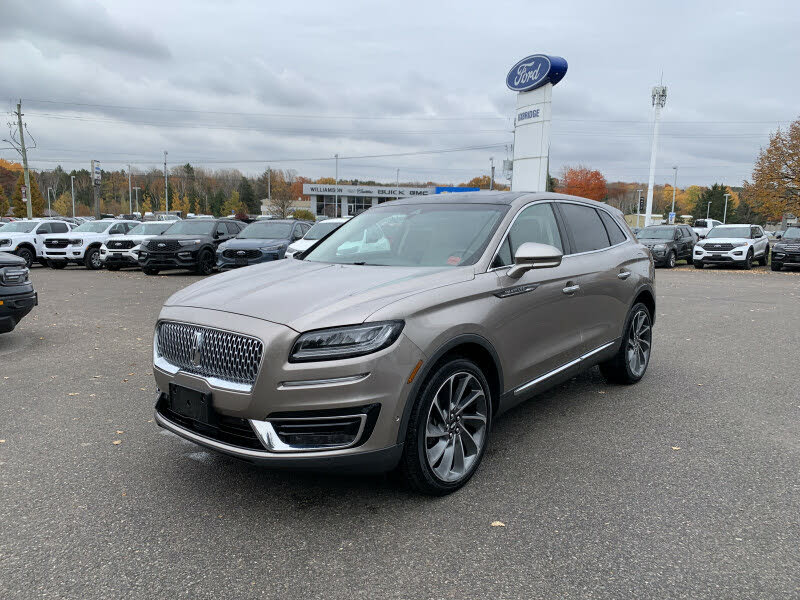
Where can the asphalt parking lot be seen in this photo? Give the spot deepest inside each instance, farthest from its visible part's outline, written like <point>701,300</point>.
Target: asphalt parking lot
<point>683,486</point>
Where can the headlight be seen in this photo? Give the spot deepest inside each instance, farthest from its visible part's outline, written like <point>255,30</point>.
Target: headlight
<point>13,276</point>
<point>345,342</point>
<point>660,247</point>
<point>739,244</point>
<point>76,242</point>
<point>5,242</point>
<point>271,248</point>
<point>189,242</point>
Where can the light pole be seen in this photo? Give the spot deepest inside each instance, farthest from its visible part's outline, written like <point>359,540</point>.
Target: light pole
<point>166,183</point>
<point>708,210</point>
<point>659,96</point>
<point>398,183</point>
<point>725,214</point>
<point>130,195</point>
<point>491,177</point>
<point>674,187</point>
<point>137,200</point>
<point>49,189</point>
<point>336,190</point>
<point>638,205</point>
<point>72,185</point>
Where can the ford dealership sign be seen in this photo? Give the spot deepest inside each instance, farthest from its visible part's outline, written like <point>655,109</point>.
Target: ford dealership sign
<point>535,71</point>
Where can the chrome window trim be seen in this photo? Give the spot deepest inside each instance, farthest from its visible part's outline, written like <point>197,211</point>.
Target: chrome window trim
<point>564,367</point>
<point>553,201</point>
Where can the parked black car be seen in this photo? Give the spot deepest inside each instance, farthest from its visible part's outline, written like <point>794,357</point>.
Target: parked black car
<point>259,242</point>
<point>190,244</point>
<point>17,296</point>
<point>786,251</point>
<point>668,243</point>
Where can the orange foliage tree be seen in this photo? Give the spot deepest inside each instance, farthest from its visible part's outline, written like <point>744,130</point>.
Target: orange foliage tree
<point>583,182</point>
<point>775,189</point>
<point>483,182</point>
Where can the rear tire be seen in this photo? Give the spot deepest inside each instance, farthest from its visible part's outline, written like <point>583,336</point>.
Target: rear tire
<point>671,260</point>
<point>630,362</point>
<point>698,264</point>
<point>26,255</point>
<point>764,259</point>
<point>56,264</point>
<point>448,430</point>
<point>150,270</point>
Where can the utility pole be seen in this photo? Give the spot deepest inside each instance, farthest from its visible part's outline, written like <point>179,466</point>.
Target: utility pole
<point>638,206</point>
<point>130,195</point>
<point>72,185</point>
<point>674,187</point>
<point>137,200</point>
<point>269,186</point>
<point>659,96</point>
<point>725,214</point>
<point>49,189</point>
<point>336,190</point>
<point>708,210</point>
<point>398,183</point>
<point>24,160</point>
<point>166,183</point>
<point>491,179</point>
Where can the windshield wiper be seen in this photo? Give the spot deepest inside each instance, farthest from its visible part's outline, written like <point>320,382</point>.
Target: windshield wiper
<point>359,263</point>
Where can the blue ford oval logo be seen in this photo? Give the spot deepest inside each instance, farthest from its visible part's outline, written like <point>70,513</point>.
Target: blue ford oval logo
<point>535,71</point>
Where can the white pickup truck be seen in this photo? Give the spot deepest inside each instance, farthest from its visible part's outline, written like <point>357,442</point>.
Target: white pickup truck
<point>26,238</point>
<point>703,226</point>
<point>82,244</point>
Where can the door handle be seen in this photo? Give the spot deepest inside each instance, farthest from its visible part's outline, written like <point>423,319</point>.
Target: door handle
<point>624,275</point>
<point>571,289</point>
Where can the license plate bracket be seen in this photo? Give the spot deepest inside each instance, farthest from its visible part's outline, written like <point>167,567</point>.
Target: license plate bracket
<point>191,404</point>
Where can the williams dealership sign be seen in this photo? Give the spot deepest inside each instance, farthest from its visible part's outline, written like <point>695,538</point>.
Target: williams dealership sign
<point>371,191</point>
<point>535,71</point>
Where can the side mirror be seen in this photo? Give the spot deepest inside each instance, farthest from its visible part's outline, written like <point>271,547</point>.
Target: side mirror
<point>778,236</point>
<point>531,255</point>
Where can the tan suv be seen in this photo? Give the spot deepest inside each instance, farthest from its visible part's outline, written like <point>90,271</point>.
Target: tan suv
<point>396,340</point>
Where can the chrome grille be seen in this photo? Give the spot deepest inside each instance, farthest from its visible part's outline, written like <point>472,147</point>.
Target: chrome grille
<point>210,352</point>
<point>121,244</point>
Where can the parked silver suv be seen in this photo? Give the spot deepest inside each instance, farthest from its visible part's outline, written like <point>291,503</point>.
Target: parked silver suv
<point>399,338</point>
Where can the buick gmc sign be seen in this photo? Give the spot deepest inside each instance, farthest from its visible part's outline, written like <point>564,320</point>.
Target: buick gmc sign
<point>535,71</point>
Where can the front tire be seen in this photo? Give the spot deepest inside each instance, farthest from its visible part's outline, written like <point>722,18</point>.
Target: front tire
<point>92,259</point>
<point>630,362</point>
<point>776,266</point>
<point>205,263</point>
<point>671,260</point>
<point>748,261</point>
<point>112,267</point>
<point>26,255</point>
<point>764,259</point>
<point>698,264</point>
<point>448,430</point>
<point>150,270</point>
<point>56,264</point>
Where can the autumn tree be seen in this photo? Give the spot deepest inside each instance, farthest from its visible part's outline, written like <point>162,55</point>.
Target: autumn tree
<point>234,206</point>
<point>34,196</point>
<point>4,206</point>
<point>63,205</point>
<point>483,182</point>
<point>775,189</point>
<point>583,182</point>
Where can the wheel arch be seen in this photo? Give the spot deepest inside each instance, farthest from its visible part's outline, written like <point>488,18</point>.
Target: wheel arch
<point>27,245</point>
<point>470,346</point>
<point>646,297</point>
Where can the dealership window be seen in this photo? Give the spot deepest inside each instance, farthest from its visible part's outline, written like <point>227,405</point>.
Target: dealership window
<point>358,204</point>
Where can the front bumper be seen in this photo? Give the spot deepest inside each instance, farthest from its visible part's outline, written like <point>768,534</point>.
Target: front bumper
<point>70,253</point>
<point>283,391</point>
<point>13,307</point>
<point>124,258</point>
<point>717,257</point>
<point>182,259</point>
<point>786,259</point>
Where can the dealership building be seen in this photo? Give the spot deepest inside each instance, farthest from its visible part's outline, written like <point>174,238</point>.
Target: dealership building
<point>349,200</point>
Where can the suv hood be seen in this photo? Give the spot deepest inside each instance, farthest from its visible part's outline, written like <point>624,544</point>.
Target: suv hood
<point>732,240</point>
<point>136,238</point>
<point>74,236</point>
<point>307,295</point>
<point>10,260</point>
<point>254,242</point>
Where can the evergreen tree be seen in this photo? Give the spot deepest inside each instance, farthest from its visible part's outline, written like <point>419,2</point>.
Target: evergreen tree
<point>4,206</point>
<point>716,195</point>
<point>248,197</point>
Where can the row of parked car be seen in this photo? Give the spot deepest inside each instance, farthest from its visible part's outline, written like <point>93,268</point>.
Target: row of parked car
<point>199,245</point>
<point>738,245</point>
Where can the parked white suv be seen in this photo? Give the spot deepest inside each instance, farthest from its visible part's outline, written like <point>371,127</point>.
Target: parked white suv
<point>123,250</point>
<point>82,244</point>
<point>26,238</point>
<point>732,244</point>
<point>313,235</point>
<point>703,226</point>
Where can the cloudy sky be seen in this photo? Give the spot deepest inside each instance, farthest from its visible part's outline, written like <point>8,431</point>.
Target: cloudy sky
<point>249,83</point>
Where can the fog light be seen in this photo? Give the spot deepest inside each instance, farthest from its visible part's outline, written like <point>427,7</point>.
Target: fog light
<point>185,254</point>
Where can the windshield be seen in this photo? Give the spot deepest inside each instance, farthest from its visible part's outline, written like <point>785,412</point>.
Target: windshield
<point>19,227</point>
<point>320,230</point>
<point>729,232</point>
<point>793,233</point>
<point>93,227</point>
<point>192,227</point>
<point>701,223</point>
<point>657,233</point>
<point>416,235</point>
<point>149,228</point>
<point>266,231</point>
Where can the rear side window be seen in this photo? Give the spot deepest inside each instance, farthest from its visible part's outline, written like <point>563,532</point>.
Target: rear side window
<point>588,231</point>
<point>612,229</point>
<point>536,223</point>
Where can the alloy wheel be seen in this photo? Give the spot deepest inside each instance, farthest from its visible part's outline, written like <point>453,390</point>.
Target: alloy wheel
<point>455,430</point>
<point>95,260</point>
<point>639,343</point>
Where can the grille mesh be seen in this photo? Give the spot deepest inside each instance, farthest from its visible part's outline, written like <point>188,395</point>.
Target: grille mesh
<point>168,245</point>
<point>720,246</point>
<point>56,243</point>
<point>224,355</point>
<point>121,244</point>
<point>234,253</point>
<point>792,247</point>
